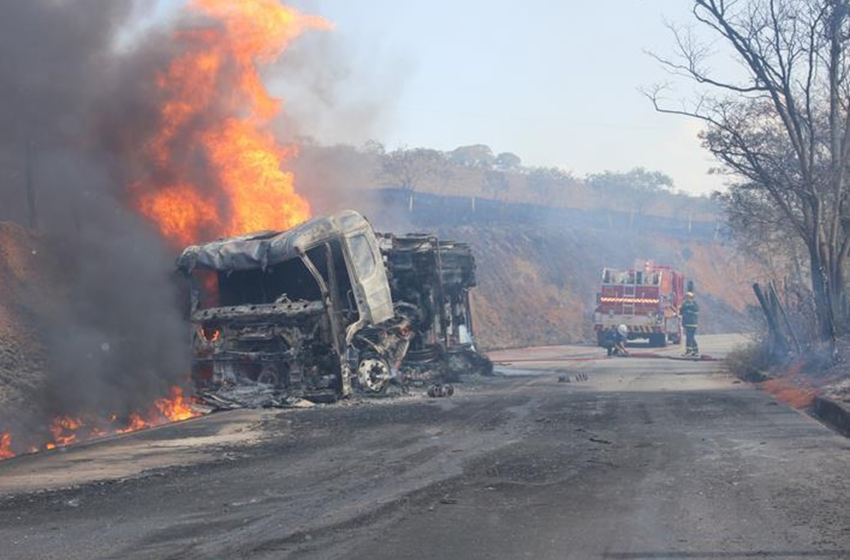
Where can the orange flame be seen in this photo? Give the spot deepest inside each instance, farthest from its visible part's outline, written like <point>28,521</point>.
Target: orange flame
<point>136,423</point>
<point>67,430</point>
<point>6,446</point>
<point>62,428</point>
<point>217,111</point>
<point>176,408</point>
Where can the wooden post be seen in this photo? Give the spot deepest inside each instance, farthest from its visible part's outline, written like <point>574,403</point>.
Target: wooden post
<point>774,296</point>
<point>779,340</point>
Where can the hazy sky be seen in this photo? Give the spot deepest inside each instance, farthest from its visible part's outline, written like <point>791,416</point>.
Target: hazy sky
<point>554,81</point>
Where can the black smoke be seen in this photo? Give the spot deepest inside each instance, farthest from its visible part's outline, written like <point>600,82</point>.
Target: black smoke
<point>74,80</point>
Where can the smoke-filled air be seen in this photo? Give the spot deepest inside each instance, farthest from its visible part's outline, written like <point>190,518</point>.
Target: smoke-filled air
<point>124,143</point>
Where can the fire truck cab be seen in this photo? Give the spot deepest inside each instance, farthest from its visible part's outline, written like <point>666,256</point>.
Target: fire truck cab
<point>645,298</point>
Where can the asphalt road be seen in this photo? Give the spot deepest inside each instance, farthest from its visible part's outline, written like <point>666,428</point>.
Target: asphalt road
<point>633,458</point>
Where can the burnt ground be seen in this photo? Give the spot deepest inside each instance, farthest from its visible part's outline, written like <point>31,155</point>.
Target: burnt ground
<point>647,458</point>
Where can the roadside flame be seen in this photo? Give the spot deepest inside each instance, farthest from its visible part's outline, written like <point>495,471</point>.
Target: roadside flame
<point>136,423</point>
<point>216,111</point>
<point>63,430</point>
<point>176,408</point>
<point>6,446</point>
<point>67,430</point>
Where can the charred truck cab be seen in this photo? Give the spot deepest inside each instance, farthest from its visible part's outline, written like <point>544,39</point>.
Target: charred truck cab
<point>430,281</point>
<point>307,310</point>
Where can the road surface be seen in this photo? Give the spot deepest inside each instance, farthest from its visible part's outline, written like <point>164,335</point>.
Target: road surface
<point>568,455</point>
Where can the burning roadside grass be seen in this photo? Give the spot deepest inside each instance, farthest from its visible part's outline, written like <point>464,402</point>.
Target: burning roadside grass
<point>67,430</point>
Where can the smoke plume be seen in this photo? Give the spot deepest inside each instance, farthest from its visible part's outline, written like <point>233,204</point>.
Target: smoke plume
<point>66,91</point>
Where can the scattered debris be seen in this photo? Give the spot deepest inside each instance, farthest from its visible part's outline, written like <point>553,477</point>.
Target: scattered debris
<point>250,394</point>
<point>439,390</point>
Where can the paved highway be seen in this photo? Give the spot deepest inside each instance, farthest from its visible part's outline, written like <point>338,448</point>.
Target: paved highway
<point>569,455</point>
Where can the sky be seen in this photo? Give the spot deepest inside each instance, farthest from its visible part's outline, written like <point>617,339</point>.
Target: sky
<point>554,81</point>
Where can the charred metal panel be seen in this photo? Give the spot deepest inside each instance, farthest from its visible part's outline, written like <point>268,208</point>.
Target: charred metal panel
<point>430,281</point>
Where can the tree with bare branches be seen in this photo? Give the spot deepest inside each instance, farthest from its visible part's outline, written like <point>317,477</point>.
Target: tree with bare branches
<point>782,130</point>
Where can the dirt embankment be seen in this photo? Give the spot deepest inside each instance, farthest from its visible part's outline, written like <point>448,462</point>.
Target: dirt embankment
<point>32,293</point>
<point>537,286</point>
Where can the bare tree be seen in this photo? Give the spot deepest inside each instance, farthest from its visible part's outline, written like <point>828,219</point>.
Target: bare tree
<point>783,131</point>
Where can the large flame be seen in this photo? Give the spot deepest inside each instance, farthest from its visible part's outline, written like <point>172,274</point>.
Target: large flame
<point>218,167</point>
<point>214,166</point>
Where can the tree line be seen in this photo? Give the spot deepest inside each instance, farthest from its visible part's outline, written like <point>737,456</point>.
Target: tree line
<point>477,171</point>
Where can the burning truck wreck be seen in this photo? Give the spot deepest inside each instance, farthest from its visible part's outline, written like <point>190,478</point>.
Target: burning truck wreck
<point>430,281</point>
<point>328,308</point>
<point>306,312</point>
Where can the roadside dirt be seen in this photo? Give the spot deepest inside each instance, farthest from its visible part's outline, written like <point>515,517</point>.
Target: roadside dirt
<point>32,293</point>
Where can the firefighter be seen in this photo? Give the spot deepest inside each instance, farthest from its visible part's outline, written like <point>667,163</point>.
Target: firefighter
<point>622,337</point>
<point>609,340</point>
<point>690,320</point>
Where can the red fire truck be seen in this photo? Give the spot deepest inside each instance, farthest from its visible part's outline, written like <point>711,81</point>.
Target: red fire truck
<point>645,298</point>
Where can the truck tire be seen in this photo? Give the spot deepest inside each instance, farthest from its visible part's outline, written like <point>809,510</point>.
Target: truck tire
<point>658,340</point>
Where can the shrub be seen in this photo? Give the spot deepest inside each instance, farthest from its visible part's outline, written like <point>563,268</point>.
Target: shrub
<point>750,361</point>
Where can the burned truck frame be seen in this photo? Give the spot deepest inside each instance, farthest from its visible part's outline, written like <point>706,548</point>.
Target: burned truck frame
<point>308,310</point>
<point>430,281</point>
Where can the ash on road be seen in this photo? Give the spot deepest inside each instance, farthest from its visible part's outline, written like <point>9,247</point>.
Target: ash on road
<point>632,459</point>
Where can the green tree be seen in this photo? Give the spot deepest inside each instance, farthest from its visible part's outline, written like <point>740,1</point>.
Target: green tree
<point>637,188</point>
<point>495,183</point>
<point>407,168</point>
<point>508,161</point>
<point>549,184</point>
<point>477,156</point>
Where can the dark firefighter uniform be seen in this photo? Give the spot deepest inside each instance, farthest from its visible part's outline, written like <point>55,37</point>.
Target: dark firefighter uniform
<point>690,320</point>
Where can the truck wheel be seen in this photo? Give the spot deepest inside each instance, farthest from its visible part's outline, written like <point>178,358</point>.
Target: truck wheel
<point>373,375</point>
<point>658,340</point>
